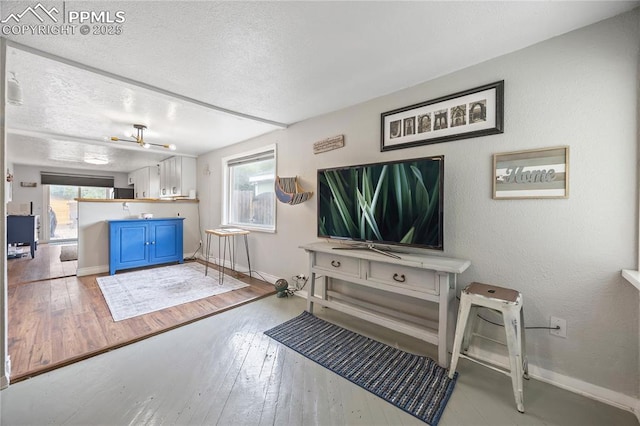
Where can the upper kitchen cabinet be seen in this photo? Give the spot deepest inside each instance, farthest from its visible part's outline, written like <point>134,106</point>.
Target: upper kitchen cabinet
<point>177,176</point>
<point>146,182</point>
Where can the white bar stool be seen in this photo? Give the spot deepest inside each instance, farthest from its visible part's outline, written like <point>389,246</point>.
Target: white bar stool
<point>509,303</point>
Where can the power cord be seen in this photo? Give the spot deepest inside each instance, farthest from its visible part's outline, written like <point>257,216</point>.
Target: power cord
<point>297,278</point>
<point>527,328</point>
<point>193,256</point>
<point>290,291</point>
<point>502,325</point>
<point>252,272</point>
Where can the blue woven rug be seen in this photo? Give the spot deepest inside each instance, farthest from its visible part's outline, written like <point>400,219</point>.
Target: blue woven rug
<point>416,384</point>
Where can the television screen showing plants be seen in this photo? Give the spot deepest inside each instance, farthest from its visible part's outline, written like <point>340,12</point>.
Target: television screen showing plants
<point>396,202</point>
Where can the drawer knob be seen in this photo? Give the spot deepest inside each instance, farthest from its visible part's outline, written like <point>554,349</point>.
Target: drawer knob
<point>335,263</point>
<point>399,278</point>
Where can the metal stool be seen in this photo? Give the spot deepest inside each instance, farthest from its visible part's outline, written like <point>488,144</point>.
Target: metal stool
<point>509,303</point>
<point>228,235</point>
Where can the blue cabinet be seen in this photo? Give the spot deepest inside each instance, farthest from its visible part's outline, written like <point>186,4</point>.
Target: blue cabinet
<point>134,243</point>
<point>23,229</point>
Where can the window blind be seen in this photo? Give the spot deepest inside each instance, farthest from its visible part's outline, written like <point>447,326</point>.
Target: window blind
<point>261,156</point>
<point>47,178</point>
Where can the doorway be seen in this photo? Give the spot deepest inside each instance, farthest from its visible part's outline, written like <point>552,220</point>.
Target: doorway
<point>61,223</point>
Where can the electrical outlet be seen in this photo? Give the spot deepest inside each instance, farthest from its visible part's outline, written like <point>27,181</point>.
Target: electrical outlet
<point>558,322</point>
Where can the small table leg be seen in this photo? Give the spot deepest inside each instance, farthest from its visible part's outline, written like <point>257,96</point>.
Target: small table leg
<point>246,247</point>
<point>310,292</point>
<point>224,259</point>
<point>206,264</point>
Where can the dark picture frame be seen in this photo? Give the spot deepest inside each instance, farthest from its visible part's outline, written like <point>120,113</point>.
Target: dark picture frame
<point>467,114</point>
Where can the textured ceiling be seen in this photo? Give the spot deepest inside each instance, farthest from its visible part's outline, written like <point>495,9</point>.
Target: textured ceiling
<point>280,61</point>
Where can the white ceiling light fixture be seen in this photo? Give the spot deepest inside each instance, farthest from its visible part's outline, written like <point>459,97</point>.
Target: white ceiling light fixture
<point>99,160</point>
<point>14,91</point>
<point>139,139</point>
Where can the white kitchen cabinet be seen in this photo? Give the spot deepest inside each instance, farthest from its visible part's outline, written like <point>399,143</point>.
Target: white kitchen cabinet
<point>177,176</point>
<point>146,182</point>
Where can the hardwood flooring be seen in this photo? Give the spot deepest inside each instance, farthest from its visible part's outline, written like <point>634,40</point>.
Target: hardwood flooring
<point>56,318</point>
<point>45,266</point>
<point>223,370</point>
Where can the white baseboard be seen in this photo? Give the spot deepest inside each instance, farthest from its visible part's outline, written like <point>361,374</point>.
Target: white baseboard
<point>4,379</point>
<point>243,268</point>
<point>92,270</point>
<point>571,384</point>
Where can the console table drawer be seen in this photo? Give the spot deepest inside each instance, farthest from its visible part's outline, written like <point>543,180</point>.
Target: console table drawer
<point>344,265</point>
<point>421,280</point>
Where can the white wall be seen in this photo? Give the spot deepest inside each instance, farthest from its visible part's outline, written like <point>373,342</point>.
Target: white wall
<point>24,173</point>
<point>8,185</point>
<point>93,230</point>
<point>638,218</point>
<point>565,256</point>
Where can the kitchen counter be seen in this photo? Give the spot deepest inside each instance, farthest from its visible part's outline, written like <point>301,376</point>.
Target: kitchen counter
<point>136,200</point>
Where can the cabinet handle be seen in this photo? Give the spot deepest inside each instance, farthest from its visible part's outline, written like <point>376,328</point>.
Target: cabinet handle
<point>146,243</point>
<point>174,190</point>
<point>399,278</point>
<point>153,242</point>
<point>335,263</point>
<point>144,193</point>
<point>164,191</point>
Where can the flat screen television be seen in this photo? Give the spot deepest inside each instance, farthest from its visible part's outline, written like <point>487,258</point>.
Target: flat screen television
<point>397,202</point>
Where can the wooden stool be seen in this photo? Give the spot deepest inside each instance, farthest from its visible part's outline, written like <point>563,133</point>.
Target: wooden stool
<point>509,303</point>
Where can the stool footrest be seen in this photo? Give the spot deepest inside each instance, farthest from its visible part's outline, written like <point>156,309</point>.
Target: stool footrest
<point>480,336</point>
<point>486,364</point>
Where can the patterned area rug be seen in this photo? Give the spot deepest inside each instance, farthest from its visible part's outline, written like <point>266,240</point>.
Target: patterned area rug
<point>416,384</point>
<point>137,293</point>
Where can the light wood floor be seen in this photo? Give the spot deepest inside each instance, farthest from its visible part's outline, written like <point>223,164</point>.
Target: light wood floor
<point>223,370</point>
<point>56,318</point>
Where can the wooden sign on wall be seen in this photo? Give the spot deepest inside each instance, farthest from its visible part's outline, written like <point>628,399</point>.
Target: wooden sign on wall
<point>328,144</point>
<point>535,173</point>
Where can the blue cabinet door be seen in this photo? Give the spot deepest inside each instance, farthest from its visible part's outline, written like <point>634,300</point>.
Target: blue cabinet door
<point>133,240</point>
<point>128,245</point>
<point>135,243</point>
<point>166,241</point>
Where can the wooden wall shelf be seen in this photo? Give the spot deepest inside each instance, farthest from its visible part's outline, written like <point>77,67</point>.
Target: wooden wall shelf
<point>289,191</point>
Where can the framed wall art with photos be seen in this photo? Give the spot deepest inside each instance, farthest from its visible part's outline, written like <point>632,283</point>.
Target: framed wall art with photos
<point>535,173</point>
<point>468,114</point>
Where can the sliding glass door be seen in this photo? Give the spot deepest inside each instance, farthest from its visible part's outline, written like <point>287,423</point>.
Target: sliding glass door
<point>61,215</point>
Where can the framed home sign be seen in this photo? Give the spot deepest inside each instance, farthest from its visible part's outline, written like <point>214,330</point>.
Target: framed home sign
<point>472,113</point>
<point>536,173</point>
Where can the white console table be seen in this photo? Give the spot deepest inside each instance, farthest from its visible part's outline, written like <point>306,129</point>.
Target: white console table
<point>428,278</point>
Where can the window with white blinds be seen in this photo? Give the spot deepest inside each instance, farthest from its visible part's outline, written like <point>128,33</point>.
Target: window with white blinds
<point>249,200</point>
